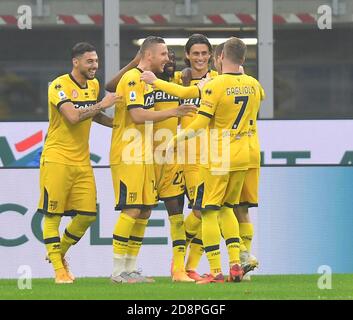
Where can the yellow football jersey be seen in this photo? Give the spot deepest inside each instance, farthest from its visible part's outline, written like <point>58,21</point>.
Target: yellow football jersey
<point>164,101</point>
<point>193,157</point>
<point>132,142</point>
<point>254,144</point>
<point>230,100</point>
<point>68,143</point>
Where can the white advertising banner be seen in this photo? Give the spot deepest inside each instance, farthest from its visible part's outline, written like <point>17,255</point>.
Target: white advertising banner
<point>288,142</point>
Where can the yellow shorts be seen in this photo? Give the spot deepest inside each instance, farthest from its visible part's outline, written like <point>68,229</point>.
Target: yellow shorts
<point>67,190</point>
<point>170,181</point>
<point>134,186</point>
<point>217,190</point>
<point>250,192</point>
<point>191,175</point>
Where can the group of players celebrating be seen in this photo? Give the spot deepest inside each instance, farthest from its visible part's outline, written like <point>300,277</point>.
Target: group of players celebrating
<point>152,100</point>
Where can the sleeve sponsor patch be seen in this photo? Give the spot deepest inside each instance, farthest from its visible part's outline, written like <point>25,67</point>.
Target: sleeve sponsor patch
<point>132,96</point>
<point>62,95</point>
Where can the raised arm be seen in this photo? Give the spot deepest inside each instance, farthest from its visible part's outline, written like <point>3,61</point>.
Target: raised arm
<point>112,84</point>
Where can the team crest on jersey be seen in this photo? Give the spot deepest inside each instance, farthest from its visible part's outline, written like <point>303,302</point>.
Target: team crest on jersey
<point>74,94</point>
<point>93,91</point>
<point>58,86</point>
<point>132,96</point>
<point>132,197</point>
<point>53,205</point>
<point>62,95</point>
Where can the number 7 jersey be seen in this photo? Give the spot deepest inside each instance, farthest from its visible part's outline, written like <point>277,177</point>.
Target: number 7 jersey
<point>230,100</point>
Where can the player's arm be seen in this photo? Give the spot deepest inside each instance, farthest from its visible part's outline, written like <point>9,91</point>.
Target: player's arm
<point>103,119</point>
<point>112,84</point>
<point>73,115</point>
<point>171,88</point>
<point>140,115</point>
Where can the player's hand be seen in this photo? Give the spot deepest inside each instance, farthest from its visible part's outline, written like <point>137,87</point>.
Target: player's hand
<point>185,110</point>
<point>148,76</point>
<point>110,99</point>
<point>202,82</point>
<point>186,76</point>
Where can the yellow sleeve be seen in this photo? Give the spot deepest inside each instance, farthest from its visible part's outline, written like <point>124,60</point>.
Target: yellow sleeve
<point>133,89</point>
<point>58,93</point>
<point>177,90</point>
<point>209,100</point>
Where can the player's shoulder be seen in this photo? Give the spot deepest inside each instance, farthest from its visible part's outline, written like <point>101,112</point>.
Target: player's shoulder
<point>60,81</point>
<point>131,77</point>
<point>213,73</point>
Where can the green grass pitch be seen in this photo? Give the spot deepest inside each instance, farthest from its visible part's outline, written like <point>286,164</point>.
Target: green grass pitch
<point>260,287</point>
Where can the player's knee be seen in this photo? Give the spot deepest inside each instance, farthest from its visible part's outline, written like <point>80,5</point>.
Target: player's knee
<point>89,219</point>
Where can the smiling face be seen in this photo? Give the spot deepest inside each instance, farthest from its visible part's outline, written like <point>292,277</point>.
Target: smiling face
<point>87,64</point>
<point>199,57</point>
<point>158,57</point>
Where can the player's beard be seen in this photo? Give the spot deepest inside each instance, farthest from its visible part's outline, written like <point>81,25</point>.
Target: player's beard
<point>87,75</point>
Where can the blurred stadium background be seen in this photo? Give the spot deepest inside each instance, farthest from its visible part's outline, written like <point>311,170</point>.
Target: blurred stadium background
<point>305,215</point>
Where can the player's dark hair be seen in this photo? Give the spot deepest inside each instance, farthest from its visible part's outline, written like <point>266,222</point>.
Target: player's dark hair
<point>80,48</point>
<point>196,38</point>
<point>219,49</point>
<point>149,42</point>
<point>235,50</point>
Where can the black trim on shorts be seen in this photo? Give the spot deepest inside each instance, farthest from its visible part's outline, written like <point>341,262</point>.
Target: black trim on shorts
<point>47,213</point>
<point>137,239</point>
<point>73,213</point>
<point>62,102</point>
<point>189,235</point>
<point>211,207</point>
<point>226,204</point>
<point>197,241</point>
<point>199,196</point>
<point>119,207</point>
<point>172,198</point>
<point>45,201</point>
<point>134,106</point>
<point>232,240</point>
<point>73,237</point>
<point>177,243</point>
<point>205,114</point>
<point>51,240</point>
<point>119,238</point>
<point>211,248</point>
<point>247,204</point>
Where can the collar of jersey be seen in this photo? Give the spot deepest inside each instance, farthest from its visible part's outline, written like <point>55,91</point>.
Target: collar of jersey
<point>234,73</point>
<point>204,76</point>
<point>74,80</point>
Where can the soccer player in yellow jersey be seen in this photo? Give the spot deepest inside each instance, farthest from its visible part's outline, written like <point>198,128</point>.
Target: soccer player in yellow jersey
<point>169,177</point>
<point>198,51</point>
<point>67,183</point>
<point>226,108</point>
<point>131,158</point>
<point>249,193</point>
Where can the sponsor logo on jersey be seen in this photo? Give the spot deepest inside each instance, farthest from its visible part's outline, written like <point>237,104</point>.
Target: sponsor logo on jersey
<point>83,104</point>
<point>149,100</point>
<point>161,96</point>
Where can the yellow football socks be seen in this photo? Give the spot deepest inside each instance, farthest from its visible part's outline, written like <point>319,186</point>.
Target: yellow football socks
<point>52,240</point>
<point>177,232</point>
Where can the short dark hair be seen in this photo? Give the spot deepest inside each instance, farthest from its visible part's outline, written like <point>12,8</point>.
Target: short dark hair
<point>219,50</point>
<point>196,38</point>
<point>149,42</point>
<point>235,50</point>
<point>80,48</point>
